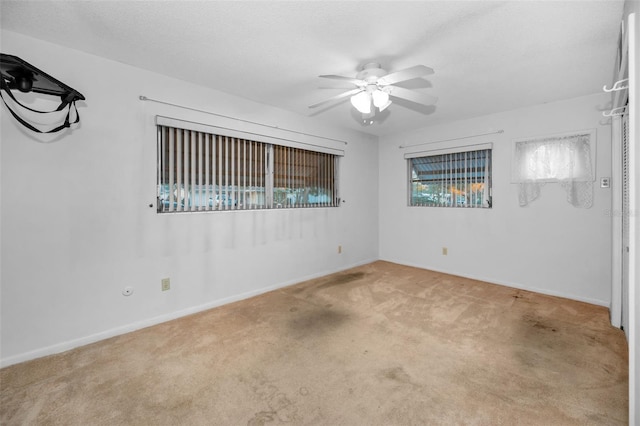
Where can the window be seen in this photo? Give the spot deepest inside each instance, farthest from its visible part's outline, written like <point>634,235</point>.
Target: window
<point>566,159</point>
<point>451,178</point>
<point>303,178</point>
<point>201,171</point>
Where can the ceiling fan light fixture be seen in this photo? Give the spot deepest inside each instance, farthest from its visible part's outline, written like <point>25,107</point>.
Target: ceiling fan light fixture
<point>383,107</point>
<point>362,102</point>
<point>380,98</point>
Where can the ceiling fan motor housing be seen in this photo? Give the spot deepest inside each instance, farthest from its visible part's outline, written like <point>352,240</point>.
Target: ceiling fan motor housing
<point>371,72</point>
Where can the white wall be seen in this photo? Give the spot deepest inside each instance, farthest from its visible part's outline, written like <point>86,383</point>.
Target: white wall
<point>77,227</point>
<point>549,246</point>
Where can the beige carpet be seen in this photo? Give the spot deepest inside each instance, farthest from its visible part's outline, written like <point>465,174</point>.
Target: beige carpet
<point>380,344</point>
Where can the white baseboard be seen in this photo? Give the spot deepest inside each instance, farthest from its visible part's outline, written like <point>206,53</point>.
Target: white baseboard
<point>75,343</point>
<point>508,284</point>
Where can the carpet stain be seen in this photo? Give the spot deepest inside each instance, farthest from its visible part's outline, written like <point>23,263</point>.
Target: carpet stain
<point>397,374</point>
<point>539,324</point>
<point>342,278</point>
<point>261,418</point>
<point>542,326</point>
<point>334,280</point>
<point>284,408</point>
<point>264,389</point>
<point>316,321</point>
<point>280,406</point>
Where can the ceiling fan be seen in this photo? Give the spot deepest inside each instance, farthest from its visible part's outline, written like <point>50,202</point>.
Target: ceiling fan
<point>374,87</point>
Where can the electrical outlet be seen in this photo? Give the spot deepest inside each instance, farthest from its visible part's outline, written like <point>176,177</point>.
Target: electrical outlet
<point>166,284</point>
<point>445,251</point>
<point>339,249</point>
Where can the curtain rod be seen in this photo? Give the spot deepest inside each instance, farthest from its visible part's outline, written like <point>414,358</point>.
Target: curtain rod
<point>452,139</point>
<point>144,98</point>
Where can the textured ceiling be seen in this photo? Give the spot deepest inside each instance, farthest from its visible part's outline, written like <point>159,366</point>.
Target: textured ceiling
<point>487,56</point>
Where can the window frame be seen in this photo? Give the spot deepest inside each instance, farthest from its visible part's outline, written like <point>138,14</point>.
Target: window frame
<point>316,178</point>
<point>487,176</point>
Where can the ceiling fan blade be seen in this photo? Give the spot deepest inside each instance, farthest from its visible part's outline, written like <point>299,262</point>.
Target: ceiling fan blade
<point>410,95</point>
<point>355,81</point>
<point>405,74</point>
<point>340,96</point>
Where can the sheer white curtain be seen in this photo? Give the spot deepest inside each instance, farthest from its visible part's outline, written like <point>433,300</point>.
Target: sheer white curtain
<point>562,159</point>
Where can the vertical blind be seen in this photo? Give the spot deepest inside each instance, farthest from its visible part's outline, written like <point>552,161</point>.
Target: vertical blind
<point>200,171</point>
<point>626,241</point>
<point>452,179</point>
<point>303,178</point>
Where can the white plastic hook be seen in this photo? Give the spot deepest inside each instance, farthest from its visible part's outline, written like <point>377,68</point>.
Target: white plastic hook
<point>615,111</point>
<point>617,86</point>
